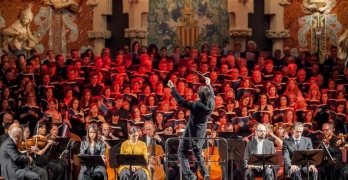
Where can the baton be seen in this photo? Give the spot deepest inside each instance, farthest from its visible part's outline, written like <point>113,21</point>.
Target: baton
<point>197,72</point>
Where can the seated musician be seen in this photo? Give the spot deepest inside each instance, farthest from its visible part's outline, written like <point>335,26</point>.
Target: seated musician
<point>12,162</point>
<point>133,146</point>
<point>149,128</point>
<point>259,145</point>
<point>271,136</point>
<point>297,142</point>
<point>172,158</point>
<point>58,168</point>
<point>106,132</point>
<point>40,171</point>
<point>331,152</point>
<point>92,146</point>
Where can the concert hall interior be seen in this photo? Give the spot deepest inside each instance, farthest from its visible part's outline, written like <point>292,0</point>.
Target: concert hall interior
<point>173,89</point>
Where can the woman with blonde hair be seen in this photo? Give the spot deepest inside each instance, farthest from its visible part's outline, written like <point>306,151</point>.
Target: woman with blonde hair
<point>292,87</point>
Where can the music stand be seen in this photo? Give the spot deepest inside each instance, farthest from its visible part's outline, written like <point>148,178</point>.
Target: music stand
<point>88,161</point>
<point>172,144</point>
<point>114,143</point>
<point>228,135</point>
<point>236,150</point>
<point>263,159</point>
<point>306,157</point>
<point>58,147</point>
<point>129,159</point>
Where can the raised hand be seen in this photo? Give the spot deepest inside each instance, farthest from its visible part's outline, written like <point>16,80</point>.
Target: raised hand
<point>207,81</point>
<point>170,84</point>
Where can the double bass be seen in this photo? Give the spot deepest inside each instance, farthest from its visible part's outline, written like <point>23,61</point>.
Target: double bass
<point>155,165</point>
<point>213,166</point>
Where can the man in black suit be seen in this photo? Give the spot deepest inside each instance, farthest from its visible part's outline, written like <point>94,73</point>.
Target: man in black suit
<point>12,162</point>
<point>196,127</point>
<point>297,142</point>
<point>259,145</point>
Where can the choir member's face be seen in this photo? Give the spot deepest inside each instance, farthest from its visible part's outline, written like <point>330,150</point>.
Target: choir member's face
<point>143,109</point>
<point>94,110</point>
<point>244,112</point>
<point>272,91</point>
<point>218,100</point>
<point>151,101</point>
<point>147,90</point>
<point>4,104</point>
<point>181,115</point>
<point>71,75</point>
<point>106,130</point>
<point>309,116</point>
<point>289,116</point>
<point>88,96</point>
<point>168,131</point>
<point>269,68</point>
<point>159,118</point>
<point>69,94</point>
<point>263,99</point>
<point>94,79</point>
<point>52,106</point>
<point>54,131</point>
<point>283,101</point>
<point>75,104</point>
<point>245,101</point>
<point>291,85</point>
<point>136,112</point>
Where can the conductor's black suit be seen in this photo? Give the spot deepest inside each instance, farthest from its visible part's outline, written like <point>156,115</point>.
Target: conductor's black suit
<point>196,127</point>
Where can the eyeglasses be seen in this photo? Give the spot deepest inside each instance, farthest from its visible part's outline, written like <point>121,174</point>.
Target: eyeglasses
<point>261,130</point>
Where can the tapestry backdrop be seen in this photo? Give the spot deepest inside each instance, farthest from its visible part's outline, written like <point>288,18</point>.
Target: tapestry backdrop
<point>187,23</point>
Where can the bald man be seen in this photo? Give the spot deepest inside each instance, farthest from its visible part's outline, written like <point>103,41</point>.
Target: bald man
<point>12,161</point>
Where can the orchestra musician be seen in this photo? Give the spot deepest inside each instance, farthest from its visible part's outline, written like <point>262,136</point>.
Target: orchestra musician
<point>40,171</point>
<point>92,146</point>
<point>297,142</point>
<point>106,134</point>
<point>150,134</point>
<point>42,160</point>
<point>259,145</point>
<point>173,163</point>
<point>133,146</point>
<point>11,160</point>
<point>201,111</point>
<point>330,153</point>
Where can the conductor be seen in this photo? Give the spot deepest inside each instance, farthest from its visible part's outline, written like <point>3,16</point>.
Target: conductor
<point>196,127</point>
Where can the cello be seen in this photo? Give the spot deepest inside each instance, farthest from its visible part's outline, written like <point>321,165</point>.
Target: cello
<point>155,166</point>
<point>111,172</point>
<point>213,166</point>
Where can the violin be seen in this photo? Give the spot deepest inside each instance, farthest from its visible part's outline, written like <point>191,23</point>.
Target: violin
<point>41,143</point>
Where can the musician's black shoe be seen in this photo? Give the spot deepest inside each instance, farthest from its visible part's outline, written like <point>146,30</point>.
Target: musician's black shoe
<point>206,177</point>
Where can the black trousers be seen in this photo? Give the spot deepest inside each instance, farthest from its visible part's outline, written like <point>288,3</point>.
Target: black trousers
<point>183,153</point>
<point>36,172</point>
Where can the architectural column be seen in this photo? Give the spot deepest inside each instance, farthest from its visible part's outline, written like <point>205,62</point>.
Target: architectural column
<point>277,32</point>
<point>99,33</point>
<point>239,10</point>
<point>137,11</point>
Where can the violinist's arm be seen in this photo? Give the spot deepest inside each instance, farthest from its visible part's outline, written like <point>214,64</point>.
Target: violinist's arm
<point>42,151</point>
<point>277,141</point>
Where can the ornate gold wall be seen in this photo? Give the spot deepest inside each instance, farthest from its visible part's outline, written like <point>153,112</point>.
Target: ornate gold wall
<point>11,9</point>
<point>293,12</point>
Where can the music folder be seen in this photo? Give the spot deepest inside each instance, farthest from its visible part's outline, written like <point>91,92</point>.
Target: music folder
<point>263,159</point>
<point>129,159</point>
<point>88,160</point>
<point>305,157</point>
